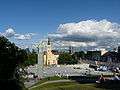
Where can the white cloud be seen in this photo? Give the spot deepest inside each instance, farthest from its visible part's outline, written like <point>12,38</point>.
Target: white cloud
<point>1,34</point>
<point>76,44</point>
<point>8,32</point>
<point>24,36</point>
<point>101,33</point>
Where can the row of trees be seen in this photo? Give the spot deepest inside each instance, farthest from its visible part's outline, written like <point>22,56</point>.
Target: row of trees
<point>66,58</point>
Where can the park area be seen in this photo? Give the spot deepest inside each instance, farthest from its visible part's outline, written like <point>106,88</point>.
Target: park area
<point>66,86</point>
<point>57,83</point>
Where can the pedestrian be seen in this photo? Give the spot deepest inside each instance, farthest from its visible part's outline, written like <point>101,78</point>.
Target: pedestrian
<point>101,79</point>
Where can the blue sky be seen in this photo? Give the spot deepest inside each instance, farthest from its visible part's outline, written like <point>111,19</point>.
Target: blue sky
<point>44,16</point>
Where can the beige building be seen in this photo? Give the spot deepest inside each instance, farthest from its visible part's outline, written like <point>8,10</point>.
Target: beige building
<point>50,58</point>
<point>103,51</point>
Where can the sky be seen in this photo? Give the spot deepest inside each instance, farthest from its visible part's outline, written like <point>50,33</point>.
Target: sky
<point>28,21</point>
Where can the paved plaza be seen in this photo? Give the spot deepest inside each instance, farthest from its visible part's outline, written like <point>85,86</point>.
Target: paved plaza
<point>66,70</point>
<point>62,70</point>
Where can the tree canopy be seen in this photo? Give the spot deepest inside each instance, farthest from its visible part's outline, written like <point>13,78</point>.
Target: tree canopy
<point>31,58</point>
<point>10,57</point>
<point>66,58</point>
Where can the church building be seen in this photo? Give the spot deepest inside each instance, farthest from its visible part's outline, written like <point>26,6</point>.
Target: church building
<point>50,58</point>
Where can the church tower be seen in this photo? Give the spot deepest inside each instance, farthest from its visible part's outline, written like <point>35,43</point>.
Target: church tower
<point>49,47</point>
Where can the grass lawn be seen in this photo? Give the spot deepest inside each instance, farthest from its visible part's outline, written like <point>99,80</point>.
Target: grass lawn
<point>49,79</point>
<point>67,86</point>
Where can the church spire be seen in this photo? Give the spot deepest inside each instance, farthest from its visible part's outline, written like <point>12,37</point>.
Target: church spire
<point>48,41</point>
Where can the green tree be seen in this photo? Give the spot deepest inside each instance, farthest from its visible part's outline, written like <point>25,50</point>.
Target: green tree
<point>66,58</point>
<point>79,55</point>
<point>31,58</point>
<point>10,57</point>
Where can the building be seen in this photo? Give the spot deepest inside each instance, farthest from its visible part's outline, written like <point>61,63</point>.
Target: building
<point>50,56</point>
<point>103,51</point>
<point>70,50</point>
<point>118,55</point>
<point>109,57</point>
